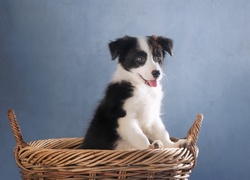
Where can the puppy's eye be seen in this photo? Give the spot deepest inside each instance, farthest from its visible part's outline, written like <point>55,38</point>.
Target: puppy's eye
<point>157,58</point>
<point>140,60</point>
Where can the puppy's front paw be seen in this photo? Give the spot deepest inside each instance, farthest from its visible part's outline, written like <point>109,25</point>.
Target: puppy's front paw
<point>182,143</point>
<point>157,144</point>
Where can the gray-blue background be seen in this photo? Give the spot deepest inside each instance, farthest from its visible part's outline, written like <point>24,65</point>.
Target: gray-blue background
<point>55,63</point>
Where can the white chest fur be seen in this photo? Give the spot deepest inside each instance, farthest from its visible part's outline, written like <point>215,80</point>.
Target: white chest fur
<point>144,105</point>
<point>142,111</point>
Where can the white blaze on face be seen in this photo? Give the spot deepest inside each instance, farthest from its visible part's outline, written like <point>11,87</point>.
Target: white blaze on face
<point>145,71</point>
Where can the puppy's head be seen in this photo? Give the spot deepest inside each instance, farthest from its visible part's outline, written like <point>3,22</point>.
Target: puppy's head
<point>142,56</point>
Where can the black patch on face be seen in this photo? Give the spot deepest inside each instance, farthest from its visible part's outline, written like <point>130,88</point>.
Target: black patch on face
<point>122,46</point>
<point>134,59</point>
<point>160,45</point>
<point>157,51</point>
<point>130,55</point>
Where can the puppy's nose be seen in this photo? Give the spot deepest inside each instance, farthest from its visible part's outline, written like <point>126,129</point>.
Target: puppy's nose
<point>156,73</point>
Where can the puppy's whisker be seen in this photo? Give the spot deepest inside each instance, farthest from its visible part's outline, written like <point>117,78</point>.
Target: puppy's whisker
<point>169,76</point>
<point>164,77</point>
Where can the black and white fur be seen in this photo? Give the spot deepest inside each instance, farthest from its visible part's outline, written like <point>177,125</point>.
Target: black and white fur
<point>128,117</point>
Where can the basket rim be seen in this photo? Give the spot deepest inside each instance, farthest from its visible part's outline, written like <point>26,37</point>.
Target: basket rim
<point>33,145</point>
<point>60,156</point>
<point>192,135</point>
<point>151,158</point>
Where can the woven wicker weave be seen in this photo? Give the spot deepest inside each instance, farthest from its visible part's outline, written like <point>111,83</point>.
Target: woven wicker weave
<point>60,159</point>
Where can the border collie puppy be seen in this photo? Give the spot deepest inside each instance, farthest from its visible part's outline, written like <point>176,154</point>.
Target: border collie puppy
<point>128,117</point>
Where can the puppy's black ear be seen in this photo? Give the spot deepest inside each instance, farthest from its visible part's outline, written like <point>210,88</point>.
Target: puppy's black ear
<point>166,43</point>
<point>119,45</point>
<point>114,49</point>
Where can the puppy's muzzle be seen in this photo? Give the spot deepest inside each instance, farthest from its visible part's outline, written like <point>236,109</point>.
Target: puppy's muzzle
<point>156,73</point>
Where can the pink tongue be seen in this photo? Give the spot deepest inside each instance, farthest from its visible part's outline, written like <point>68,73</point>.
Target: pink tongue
<point>152,83</point>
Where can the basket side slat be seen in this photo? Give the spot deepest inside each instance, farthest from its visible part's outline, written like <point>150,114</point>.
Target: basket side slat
<point>16,129</point>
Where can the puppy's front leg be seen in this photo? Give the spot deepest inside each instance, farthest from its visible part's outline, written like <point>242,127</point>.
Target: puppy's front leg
<point>158,132</point>
<point>131,133</point>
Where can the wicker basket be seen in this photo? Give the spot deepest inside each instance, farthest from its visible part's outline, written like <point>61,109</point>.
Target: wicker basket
<point>60,159</point>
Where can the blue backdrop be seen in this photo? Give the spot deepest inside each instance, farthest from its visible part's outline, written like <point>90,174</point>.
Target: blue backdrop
<point>55,63</point>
